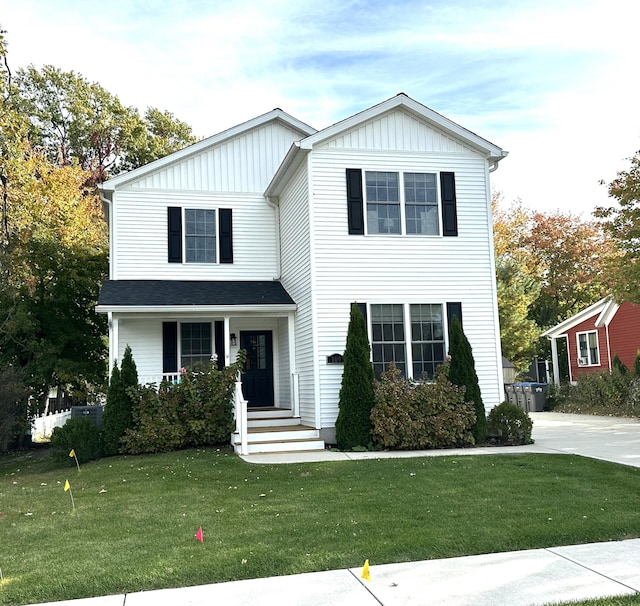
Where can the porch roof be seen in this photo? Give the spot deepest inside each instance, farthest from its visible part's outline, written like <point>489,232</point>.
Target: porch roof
<point>141,295</point>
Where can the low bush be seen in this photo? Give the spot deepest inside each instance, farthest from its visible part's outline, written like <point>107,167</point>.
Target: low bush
<point>408,416</point>
<point>78,434</point>
<point>608,393</point>
<point>197,411</point>
<point>508,424</point>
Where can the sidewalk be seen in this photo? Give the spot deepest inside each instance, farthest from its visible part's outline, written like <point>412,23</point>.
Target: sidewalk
<point>521,578</point>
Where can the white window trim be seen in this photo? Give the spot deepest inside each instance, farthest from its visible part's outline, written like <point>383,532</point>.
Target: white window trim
<point>578,356</point>
<point>216,231</point>
<point>401,196</point>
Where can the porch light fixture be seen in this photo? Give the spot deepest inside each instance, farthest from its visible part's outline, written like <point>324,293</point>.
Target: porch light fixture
<point>233,339</point>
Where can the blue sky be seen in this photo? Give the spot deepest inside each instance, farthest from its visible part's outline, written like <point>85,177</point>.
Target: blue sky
<point>552,82</point>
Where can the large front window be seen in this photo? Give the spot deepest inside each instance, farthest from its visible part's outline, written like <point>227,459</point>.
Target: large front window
<point>418,357</point>
<point>588,354</point>
<point>195,343</point>
<point>410,209</point>
<point>200,235</point>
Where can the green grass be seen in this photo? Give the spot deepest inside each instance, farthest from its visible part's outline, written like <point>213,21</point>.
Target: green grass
<point>136,517</point>
<point>628,600</point>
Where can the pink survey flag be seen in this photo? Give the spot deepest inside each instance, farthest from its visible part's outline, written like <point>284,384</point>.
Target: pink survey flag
<point>199,535</point>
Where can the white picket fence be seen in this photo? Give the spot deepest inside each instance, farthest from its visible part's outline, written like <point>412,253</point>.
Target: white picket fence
<point>42,427</point>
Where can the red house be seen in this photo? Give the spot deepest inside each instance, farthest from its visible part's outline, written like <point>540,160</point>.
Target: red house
<point>595,335</point>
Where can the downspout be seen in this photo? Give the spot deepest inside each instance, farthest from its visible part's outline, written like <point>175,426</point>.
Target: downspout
<point>274,202</point>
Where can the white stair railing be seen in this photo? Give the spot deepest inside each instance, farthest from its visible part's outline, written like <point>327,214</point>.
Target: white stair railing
<point>240,413</point>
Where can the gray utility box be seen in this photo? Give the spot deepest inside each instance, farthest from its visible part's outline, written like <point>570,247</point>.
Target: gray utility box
<point>535,396</point>
<point>93,413</point>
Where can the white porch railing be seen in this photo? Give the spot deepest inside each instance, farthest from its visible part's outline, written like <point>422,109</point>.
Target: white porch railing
<point>42,427</point>
<point>170,377</point>
<point>240,414</point>
<point>295,401</point>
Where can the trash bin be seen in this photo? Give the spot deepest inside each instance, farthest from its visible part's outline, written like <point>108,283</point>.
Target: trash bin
<point>521,397</point>
<point>511,394</point>
<point>535,396</point>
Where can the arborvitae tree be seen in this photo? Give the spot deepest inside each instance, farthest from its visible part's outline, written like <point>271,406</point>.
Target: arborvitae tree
<point>118,413</point>
<point>462,372</point>
<point>618,365</point>
<point>353,425</point>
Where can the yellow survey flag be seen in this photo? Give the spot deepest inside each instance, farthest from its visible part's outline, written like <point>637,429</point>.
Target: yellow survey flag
<point>72,453</point>
<point>66,486</point>
<point>365,571</point>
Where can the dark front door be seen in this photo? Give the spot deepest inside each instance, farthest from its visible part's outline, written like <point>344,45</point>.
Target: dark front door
<point>257,379</point>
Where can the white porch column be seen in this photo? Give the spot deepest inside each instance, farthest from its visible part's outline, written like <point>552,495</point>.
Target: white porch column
<point>554,358</point>
<point>114,344</point>
<point>295,388</point>
<point>227,341</point>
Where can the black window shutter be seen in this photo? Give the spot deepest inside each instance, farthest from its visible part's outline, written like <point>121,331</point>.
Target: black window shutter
<point>363,309</point>
<point>454,310</point>
<point>175,234</point>
<point>219,342</point>
<point>225,229</point>
<point>355,201</point>
<point>169,347</point>
<point>449,212</point>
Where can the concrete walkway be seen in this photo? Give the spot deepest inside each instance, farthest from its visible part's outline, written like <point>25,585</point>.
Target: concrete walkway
<point>522,578</point>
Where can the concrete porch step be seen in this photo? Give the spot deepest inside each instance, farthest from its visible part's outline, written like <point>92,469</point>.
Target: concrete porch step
<point>280,438</point>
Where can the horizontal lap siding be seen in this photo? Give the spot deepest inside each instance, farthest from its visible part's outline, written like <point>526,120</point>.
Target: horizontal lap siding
<point>403,269</point>
<point>624,333</point>
<point>141,237</point>
<point>296,278</point>
<point>144,336</point>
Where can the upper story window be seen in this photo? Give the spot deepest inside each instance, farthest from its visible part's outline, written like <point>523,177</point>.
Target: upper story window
<point>401,203</point>
<point>588,353</point>
<point>200,235</point>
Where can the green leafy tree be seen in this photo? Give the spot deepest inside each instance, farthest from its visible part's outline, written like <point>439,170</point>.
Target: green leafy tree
<point>622,223</point>
<point>13,401</point>
<point>462,372</point>
<point>118,414</point>
<point>75,120</point>
<point>353,425</point>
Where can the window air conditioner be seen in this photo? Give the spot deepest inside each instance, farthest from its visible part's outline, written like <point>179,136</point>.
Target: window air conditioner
<point>583,361</point>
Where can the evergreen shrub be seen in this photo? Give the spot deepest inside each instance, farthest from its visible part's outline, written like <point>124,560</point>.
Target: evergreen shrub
<point>353,425</point>
<point>411,416</point>
<point>508,424</point>
<point>79,434</point>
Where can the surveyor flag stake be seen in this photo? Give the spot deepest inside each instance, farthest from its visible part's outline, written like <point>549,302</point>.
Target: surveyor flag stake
<point>73,455</point>
<point>199,535</point>
<point>365,571</point>
<point>67,487</point>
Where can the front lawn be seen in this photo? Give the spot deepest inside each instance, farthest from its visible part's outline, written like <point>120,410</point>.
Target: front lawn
<point>136,517</point>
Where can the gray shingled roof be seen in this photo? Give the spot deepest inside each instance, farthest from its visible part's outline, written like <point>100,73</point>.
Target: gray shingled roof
<point>137,293</point>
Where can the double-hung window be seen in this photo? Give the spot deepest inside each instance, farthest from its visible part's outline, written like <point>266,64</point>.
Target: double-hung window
<point>383,203</point>
<point>401,203</point>
<point>200,235</point>
<point>195,343</point>
<point>588,354</point>
<point>417,352</point>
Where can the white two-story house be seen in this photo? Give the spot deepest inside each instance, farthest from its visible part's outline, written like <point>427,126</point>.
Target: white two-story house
<point>261,238</point>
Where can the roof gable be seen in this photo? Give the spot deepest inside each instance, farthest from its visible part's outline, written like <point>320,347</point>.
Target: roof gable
<point>602,312</point>
<point>431,121</point>
<point>159,173</point>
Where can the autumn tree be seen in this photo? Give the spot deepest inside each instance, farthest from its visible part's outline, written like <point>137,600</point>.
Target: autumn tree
<point>622,223</point>
<point>517,284</point>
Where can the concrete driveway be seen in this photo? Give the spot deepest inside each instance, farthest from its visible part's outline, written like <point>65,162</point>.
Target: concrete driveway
<point>608,438</point>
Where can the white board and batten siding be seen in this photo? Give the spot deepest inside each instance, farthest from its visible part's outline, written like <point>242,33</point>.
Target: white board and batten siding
<point>244,164</point>
<point>396,268</point>
<point>296,277</point>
